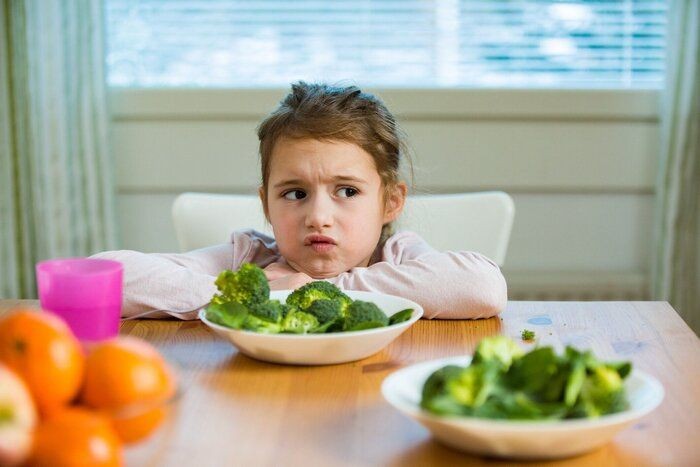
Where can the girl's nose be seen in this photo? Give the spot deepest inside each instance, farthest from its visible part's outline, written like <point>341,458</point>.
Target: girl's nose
<point>320,213</point>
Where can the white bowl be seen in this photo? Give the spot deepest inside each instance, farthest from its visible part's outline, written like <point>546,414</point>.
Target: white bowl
<point>517,439</point>
<point>321,349</point>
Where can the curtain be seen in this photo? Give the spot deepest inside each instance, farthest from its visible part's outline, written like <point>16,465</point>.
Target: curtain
<point>675,276</point>
<point>56,178</point>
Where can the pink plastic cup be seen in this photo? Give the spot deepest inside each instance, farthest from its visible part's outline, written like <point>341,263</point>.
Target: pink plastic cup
<point>85,292</point>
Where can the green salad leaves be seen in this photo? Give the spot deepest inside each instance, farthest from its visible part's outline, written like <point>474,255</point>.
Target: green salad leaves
<point>503,382</point>
<point>243,302</point>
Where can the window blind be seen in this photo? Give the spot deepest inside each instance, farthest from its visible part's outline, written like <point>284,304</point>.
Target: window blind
<point>387,43</point>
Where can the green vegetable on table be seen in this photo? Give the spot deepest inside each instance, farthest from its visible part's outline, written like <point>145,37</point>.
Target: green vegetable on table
<point>503,382</point>
<point>243,302</point>
<point>527,335</point>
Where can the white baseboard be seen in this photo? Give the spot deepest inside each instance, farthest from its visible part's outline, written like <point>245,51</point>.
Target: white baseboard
<point>575,285</point>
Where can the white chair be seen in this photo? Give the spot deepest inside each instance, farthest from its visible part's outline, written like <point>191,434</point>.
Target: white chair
<point>479,221</point>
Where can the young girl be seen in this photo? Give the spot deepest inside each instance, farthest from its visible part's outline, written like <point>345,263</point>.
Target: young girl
<point>330,189</point>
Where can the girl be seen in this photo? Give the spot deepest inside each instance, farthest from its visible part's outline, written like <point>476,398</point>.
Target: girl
<point>330,189</point>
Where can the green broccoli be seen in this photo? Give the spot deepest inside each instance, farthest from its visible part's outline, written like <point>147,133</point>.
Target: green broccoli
<point>299,322</point>
<point>247,286</point>
<point>527,335</point>
<point>304,296</point>
<point>364,315</point>
<point>435,396</point>
<point>261,325</point>
<point>602,392</point>
<point>271,310</point>
<point>498,349</point>
<point>504,383</point>
<point>236,316</point>
<point>327,310</point>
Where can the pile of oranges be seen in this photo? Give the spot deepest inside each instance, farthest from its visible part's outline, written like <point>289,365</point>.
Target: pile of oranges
<point>84,404</point>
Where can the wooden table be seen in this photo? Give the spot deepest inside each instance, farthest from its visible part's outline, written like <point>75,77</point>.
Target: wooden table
<point>238,411</point>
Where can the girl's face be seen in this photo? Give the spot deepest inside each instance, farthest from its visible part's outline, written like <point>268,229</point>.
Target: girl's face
<point>325,202</point>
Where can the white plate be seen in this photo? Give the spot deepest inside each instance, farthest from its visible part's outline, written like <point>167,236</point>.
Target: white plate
<point>517,439</point>
<point>321,349</point>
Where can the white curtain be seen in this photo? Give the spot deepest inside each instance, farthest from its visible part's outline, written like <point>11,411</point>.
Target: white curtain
<point>56,176</point>
<point>676,266</point>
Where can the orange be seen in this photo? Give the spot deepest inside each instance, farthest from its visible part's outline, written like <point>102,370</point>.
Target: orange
<point>75,437</point>
<point>127,378</point>
<point>41,349</point>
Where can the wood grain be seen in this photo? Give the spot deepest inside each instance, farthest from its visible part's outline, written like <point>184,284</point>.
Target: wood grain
<point>238,411</point>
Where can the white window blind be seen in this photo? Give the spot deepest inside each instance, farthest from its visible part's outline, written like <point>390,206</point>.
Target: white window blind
<point>389,43</point>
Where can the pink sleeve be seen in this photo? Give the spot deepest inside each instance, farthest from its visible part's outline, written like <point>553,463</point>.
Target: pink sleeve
<point>448,285</point>
<point>176,284</point>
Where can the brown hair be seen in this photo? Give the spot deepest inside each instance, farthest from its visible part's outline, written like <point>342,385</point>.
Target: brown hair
<point>324,112</point>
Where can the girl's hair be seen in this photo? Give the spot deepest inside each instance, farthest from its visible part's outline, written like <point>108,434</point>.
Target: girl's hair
<point>335,113</point>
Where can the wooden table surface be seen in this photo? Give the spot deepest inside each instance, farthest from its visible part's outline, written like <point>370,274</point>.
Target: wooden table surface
<point>239,411</point>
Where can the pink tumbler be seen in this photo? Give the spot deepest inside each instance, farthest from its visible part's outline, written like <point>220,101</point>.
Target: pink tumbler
<point>85,292</point>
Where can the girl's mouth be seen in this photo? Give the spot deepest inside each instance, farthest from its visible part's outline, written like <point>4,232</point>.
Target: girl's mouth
<point>320,243</point>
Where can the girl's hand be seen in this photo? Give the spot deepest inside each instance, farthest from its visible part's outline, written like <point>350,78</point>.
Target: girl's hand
<point>291,281</point>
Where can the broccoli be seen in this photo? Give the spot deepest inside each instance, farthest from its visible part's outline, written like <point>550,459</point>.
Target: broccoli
<point>247,286</point>
<point>304,296</point>
<point>497,349</point>
<point>364,315</point>
<point>271,310</point>
<point>501,382</point>
<point>527,335</point>
<point>236,316</point>
<point>435,397</point>
<point>327,310</point>
<point>299,322</point>
<point>261,325</point>
<point>602,392</point>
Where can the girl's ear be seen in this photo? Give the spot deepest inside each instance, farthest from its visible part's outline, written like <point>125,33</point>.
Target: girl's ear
<point>395,200</point>
<point>263,200</point>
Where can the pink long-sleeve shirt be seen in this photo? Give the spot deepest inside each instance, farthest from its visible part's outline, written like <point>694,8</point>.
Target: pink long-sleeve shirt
<point>448,285</point>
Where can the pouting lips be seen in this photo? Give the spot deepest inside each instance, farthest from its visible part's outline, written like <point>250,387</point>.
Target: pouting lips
<point>320,243</point>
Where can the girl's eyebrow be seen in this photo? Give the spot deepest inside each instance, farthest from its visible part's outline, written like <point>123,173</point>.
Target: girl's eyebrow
<point>337,178</point>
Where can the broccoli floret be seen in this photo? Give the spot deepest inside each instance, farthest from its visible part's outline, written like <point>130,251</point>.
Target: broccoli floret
<point>254,323</point>
<point>236,316</point>
<point>247,286</point>
<point>602,392</point>
<point>326,310</point>
<point>271,310</point>
<point>299,322</point>
<point>527,335</point>
<point>435,396</point>
<point>364,315</point>
<point>500,349</point>
<point>304,296</point>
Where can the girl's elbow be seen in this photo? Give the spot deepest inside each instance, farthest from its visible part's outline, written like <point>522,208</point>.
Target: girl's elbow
<point>486,300</point>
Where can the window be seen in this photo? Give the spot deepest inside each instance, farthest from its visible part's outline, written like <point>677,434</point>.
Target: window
<point>390,43</point>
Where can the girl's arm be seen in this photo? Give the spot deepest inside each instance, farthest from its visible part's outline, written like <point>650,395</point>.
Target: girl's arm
<point>448,285</point>
<point>176,284</point>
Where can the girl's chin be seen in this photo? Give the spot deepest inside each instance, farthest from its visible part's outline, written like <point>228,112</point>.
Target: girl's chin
<point>319,271</point>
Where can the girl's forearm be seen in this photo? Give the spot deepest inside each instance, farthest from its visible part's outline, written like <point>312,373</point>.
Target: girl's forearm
<point>448,285</point>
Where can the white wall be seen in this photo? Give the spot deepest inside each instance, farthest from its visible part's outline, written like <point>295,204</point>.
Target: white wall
<point>580,166</point>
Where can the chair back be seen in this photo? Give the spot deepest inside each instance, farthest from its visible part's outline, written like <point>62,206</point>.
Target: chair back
<point>480,221</point>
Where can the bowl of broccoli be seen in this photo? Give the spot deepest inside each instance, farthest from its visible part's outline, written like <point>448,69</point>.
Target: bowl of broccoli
<point>317,324</point>
<point>504,402</point>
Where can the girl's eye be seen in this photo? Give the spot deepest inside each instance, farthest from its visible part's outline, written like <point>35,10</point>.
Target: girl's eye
<point>294,195</point>
<point>347,192</point>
